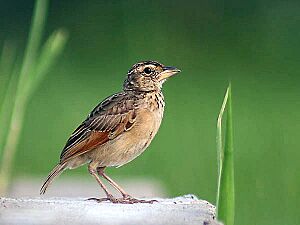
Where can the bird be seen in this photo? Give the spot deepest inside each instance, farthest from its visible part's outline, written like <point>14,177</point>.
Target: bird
<point>118,129</point>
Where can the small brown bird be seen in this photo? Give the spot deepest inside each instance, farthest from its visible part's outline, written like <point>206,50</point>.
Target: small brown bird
<point>119,129</point>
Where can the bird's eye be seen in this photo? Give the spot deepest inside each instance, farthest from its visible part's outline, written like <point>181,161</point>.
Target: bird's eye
<point>147,70</point>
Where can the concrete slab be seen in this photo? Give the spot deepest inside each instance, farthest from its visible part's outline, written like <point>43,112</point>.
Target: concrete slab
<point>45,211</point>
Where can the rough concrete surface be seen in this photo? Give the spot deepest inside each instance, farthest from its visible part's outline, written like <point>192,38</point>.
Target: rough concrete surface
<point>43,211</point>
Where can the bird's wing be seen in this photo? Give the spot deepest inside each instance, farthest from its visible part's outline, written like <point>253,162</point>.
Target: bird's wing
<point>109,119</point>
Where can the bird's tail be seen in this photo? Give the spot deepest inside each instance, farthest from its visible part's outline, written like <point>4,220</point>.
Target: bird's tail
<point>56,171</point>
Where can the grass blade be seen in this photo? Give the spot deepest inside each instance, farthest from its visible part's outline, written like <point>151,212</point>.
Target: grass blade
<point>225,194</point>
<point>49,54</point>
<point>6,107</point>
<point>8,81</point>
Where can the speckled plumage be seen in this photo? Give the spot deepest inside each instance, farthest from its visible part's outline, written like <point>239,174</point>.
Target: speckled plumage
<point>120,128</point>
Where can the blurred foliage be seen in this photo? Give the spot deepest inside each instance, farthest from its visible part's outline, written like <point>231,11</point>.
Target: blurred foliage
<point>252,43</point>
<point>22,83</point>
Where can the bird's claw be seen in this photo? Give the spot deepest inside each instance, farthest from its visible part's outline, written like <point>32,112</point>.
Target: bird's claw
<point>108,198</point>
<point>125,200</point>
<point>130,200</point>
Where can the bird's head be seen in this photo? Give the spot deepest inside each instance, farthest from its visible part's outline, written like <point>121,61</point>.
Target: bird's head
<point>148,76</point>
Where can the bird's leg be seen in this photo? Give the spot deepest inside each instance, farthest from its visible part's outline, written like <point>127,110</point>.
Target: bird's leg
<point>126,197</point>
<point>109,196</point>
<point>100,171</point>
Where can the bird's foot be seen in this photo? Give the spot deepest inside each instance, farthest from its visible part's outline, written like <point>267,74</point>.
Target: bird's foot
<point>127,199</point>
<point>108,198</point>
<point>130,200</point>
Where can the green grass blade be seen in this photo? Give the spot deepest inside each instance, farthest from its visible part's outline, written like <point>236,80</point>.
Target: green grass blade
<point>49,54</point>
<point>7,64</point>
<point>220,151</point>
<point>225,194</point>
<point>33,44</point>
<point>8,81</point>
<point>6,106</point>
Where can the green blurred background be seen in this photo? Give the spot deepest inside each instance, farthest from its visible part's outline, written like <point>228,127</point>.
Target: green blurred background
<point>255,44</point>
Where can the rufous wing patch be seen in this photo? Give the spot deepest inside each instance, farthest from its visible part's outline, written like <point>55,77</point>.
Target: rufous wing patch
<point>95,139</point>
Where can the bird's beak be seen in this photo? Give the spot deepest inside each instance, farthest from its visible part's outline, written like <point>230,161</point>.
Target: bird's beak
<point>167,72</point>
